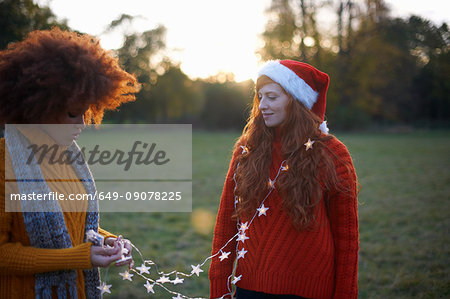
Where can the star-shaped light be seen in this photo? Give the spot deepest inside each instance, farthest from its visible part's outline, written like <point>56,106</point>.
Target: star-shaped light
<point>236,279</point>
<point>242,237</point>
<point>177,280</point>
<point>196,270</point>
<point>309,144</point>
<point>262,210</point>
<point>243,227</point>
<point>271,183</point>
<point>178,296</point>
<point>244,149</point>
<point>149,287</point>
<point>163,279</point>
<point>241,253</point>
<point>104,288</point>
<point>224,255</point>
<point>143,269</point>
<point>126,275</point>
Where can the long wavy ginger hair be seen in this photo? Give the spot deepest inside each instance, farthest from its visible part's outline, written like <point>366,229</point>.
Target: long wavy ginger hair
<point>309,174</point>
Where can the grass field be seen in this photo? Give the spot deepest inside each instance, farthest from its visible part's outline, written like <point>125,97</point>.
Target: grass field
<point>404,217</point>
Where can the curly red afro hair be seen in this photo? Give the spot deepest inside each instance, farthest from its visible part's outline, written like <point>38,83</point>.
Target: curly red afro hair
<point>49,71</point>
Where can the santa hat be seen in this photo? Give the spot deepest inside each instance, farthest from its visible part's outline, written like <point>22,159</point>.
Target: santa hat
<point>305,83</point>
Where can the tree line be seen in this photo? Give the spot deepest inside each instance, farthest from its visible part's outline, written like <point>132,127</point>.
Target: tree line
<point>384,71</point>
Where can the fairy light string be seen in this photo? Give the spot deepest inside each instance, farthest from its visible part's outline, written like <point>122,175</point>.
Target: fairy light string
<point>240,237</point>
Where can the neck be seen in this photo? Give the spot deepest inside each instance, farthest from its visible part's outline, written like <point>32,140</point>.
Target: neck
<point>277,134</point>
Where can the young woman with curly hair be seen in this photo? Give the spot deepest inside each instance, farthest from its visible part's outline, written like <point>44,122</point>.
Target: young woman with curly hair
<point>289,199</point>
<point>66,79</point>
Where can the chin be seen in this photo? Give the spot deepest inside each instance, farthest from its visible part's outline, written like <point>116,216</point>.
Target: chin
<point>271,125</point>
<point>67,142</point>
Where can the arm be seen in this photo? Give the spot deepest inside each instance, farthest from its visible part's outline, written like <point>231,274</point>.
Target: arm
<point>344,226</point>
<point>17,259</point>
<point>224,229</point>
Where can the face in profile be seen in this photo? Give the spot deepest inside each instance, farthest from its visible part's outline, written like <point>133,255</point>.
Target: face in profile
<point>66,127</point>
<point>272,104</point>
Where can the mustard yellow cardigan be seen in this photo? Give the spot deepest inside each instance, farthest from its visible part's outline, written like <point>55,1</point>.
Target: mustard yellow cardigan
<point>19,261</point>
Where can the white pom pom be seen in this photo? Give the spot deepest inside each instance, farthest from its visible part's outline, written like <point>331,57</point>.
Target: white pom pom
<point>323,127</point>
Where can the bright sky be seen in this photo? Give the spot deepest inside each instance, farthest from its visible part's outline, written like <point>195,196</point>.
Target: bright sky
<point>205,36</point>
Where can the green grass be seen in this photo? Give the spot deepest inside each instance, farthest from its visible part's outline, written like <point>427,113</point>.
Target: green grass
<point>404,217</point>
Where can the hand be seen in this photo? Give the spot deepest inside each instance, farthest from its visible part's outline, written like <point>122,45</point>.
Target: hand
<point>103,256</point>
<point>126,245</point>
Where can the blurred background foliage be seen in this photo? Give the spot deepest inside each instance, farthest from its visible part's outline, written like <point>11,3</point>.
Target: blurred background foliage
<point>385,72</point>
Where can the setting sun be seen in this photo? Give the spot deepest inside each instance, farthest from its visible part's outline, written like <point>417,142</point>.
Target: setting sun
<point>206,37</point>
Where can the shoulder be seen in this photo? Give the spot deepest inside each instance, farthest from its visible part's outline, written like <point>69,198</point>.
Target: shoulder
<point>337,148</point>
<point>239,148</point>
<point>335,144</point>
<point>340,155</point>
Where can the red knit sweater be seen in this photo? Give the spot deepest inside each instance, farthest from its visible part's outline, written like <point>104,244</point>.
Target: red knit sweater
<point>317,263</point>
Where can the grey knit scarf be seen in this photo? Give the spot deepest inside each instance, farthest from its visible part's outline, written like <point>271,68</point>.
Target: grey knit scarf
<point>48,215</point>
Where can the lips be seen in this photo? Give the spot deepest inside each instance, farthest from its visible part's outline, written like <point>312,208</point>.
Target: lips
<point>266,115</point>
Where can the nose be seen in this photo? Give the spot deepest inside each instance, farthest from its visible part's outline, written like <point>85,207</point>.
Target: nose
<point>262,104</point>
<point>80,124</point>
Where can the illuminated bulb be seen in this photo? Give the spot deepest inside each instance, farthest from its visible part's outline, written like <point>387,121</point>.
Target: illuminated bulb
<point>149,287</point>
<point>236,279</point>
<point>104,288</point>
<point>126,275</point>
<point>309,144</point>
<point>244,226</point>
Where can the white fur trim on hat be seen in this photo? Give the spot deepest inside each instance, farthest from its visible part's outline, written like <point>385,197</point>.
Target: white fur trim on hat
<point>323,127</point>
<point>290,81</point>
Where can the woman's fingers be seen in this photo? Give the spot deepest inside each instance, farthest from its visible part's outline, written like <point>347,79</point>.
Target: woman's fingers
<point>126,254</point>
<point>110,241</point>
<point>127,245</point>
<point>127,262</point>
<point>103,256</point>
<point>112,250</point>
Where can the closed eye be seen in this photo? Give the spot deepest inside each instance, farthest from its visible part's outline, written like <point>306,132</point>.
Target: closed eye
<point>71,115</point>
<point>269,96</point>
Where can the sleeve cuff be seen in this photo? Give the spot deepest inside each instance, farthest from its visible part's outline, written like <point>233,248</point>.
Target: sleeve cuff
<point>106,233</point>
<point>78,257</point>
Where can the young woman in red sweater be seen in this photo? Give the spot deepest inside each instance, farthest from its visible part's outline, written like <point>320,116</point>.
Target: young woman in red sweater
<point>287,225</point>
